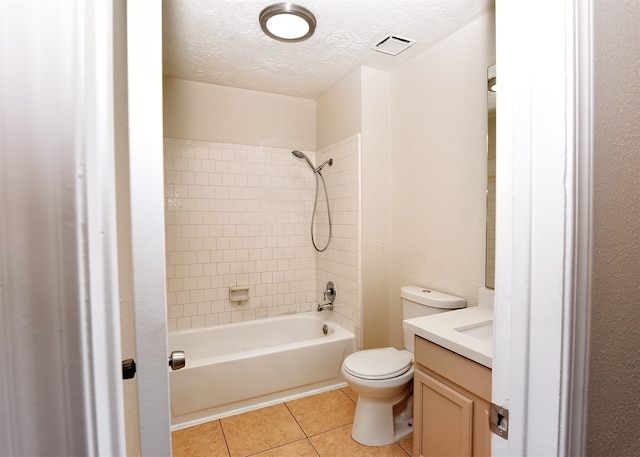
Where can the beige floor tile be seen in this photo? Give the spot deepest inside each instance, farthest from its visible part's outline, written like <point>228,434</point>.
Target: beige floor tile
<point>322,412</point>
<point>352,394</point>
<point>338,443</point>
<point>259,430</point>
<point>274,432</point>
<point>300,448</point>
<point>407,444</point>
<point>200,440</point>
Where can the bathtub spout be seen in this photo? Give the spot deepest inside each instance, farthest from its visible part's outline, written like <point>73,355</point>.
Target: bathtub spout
<point>328,306</point>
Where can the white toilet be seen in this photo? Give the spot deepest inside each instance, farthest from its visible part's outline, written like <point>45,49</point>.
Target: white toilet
<point>383,377</point>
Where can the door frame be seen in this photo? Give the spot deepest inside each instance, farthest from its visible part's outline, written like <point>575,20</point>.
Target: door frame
<point>146,174</point>
<point>543,253</point>
<point>539,369</point>
<point>61,390</point>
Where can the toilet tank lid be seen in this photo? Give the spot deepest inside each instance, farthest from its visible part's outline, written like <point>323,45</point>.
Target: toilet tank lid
<point>429,297</point>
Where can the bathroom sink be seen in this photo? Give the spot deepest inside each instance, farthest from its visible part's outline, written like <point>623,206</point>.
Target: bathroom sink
<point>481,330</point>
<point>467,331</point>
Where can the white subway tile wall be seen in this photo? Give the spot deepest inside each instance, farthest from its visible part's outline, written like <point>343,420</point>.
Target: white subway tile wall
<point>341,262</point>
<point>239,215</point>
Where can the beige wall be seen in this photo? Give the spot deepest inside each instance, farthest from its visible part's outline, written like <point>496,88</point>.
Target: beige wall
<point>376,103</point>
<point>339,111</point>
<point>227,164</point>
<point>338,127</point>
<point>423,175</point>
<point>437,168</point>
<point>360,103</point>
<point>199,111</point>
<point>614,378</point>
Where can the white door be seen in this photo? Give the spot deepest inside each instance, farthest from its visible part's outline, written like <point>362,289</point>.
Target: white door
<point>61,391</point>
<point>542,254</point>
<point>144,63</point>
<point>60,386</point>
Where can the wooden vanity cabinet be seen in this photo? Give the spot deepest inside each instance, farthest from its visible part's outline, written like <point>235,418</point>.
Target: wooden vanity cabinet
<point>452,397</point>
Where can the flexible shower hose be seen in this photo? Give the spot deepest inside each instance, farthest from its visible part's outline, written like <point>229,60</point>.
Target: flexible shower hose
<point>313,216</point>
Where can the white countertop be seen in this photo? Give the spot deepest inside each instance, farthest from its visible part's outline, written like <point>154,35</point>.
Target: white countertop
<point>468,332</point>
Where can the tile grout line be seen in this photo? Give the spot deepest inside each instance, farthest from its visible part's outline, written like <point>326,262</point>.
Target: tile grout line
<point>283,445</point>
<point>224,435</point>
<point>298,422</point>
<point>307,437</point>
<point>345,394</point>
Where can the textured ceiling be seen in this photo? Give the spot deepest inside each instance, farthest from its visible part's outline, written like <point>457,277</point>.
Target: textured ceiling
<point>220,41</point>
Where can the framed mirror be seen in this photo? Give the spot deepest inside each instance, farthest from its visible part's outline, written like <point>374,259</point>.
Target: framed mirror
<point>490,251</point>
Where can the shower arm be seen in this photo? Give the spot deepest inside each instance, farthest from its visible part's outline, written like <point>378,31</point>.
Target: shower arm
<point>326,162</point>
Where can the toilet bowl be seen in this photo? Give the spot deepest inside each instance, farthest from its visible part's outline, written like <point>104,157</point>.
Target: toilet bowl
<point>375,422</point>
<point>383,377</point>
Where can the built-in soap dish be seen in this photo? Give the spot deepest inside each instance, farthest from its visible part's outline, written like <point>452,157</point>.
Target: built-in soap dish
<point>239,293</point>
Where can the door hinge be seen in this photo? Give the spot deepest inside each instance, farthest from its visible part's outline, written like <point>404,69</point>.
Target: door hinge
<point>499,421</point>
<point>128,369</point>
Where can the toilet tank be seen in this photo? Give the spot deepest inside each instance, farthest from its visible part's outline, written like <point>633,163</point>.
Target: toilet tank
<point>421,301</point>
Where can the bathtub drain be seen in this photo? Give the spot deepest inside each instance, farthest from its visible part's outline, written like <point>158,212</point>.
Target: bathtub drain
<point>325,329</point>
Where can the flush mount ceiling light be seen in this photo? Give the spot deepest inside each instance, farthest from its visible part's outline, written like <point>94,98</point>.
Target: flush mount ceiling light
<point>287,22</point>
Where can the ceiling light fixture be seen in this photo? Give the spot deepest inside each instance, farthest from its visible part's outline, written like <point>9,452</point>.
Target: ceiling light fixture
<point>287,22</point>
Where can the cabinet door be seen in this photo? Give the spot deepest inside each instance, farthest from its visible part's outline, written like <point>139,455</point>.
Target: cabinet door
<point>481,434</point>
<point>443,419</point>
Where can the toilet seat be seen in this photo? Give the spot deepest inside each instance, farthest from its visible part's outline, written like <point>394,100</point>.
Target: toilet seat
<point>384,363</point>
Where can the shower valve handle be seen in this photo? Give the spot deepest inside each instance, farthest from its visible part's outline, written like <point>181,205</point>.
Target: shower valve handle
<point>330,292</point>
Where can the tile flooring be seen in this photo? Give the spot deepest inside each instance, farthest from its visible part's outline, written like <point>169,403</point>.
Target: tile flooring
<point>315,426</point>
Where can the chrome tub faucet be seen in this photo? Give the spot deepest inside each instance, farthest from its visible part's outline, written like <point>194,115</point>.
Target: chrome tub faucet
<point>329,296</point>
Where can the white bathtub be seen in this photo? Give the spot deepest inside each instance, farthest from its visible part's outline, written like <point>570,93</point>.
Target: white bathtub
<point>238,367</point>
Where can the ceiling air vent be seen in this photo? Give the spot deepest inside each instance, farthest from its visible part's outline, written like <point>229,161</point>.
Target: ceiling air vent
<point>393,44</point>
